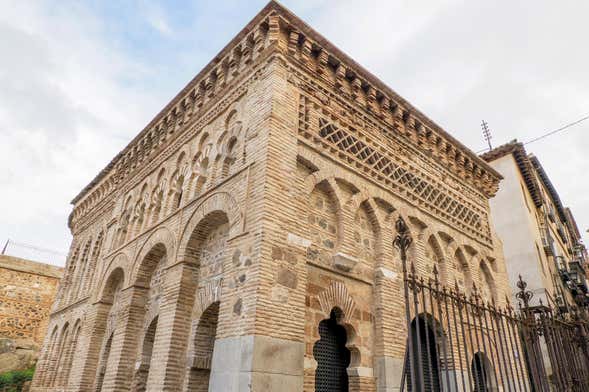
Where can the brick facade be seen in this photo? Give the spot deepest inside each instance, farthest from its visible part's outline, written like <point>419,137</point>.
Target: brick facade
<point>259,201</point>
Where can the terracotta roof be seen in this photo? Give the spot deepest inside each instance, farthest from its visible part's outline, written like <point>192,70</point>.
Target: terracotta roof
<point>524,164</point>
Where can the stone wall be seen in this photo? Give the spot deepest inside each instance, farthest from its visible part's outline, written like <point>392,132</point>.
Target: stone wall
<point>27,291</point>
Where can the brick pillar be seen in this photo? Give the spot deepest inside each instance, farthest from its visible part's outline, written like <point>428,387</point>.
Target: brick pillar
<point>390,321</point>
<point>62,371</point>
<point>43,363</point>
<point>128,333</point>
<point>168,362</point>
<point>83,373</point>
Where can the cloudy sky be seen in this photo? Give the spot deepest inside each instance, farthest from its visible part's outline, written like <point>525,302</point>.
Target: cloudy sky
<point>79,79</point>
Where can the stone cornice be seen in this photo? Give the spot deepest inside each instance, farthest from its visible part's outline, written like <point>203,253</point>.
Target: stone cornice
<point>310,49</point>
<point>238,55</point>
<point>276,28</point>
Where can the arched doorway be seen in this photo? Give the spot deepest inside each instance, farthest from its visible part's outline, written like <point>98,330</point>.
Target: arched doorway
<point>103,363</point>
<point>204,344</point>
<point>150,276</point>
<point>111,296</point>
<point>146,352</point>
<point>207,249</point>
<point>332,356</point>
<point>424,357</point>
<point>482,373</point>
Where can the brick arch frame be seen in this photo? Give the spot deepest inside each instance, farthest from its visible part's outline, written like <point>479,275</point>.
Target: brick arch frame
<point>119,261</point>
<point>337,296</point>
<point>161,235</point>
<point>206,296</point>
<point>451,250</point>
<point>484,268</point>
<point>355,203</point>
<point>426,235</point>
<point>217,202</point>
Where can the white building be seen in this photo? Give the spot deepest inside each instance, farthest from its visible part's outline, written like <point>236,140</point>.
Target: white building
<point>540,238</point>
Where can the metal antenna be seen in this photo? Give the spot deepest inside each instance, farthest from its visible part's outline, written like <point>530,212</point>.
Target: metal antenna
<point>487,133</point>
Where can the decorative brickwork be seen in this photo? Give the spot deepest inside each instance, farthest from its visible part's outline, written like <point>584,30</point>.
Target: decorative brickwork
<point>260,201</point>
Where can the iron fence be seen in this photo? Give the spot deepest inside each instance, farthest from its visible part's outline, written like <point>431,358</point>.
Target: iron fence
<point>460,342</point>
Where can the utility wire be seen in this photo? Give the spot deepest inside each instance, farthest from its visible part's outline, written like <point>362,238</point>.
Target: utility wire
<point>557,130</point>
<point>550,133</point>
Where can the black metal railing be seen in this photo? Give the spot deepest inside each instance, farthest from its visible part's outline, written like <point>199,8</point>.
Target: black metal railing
<point>461,342</point>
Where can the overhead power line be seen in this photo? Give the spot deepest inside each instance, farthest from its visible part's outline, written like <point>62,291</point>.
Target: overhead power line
<point>549,133</point>
<point>557,130</point>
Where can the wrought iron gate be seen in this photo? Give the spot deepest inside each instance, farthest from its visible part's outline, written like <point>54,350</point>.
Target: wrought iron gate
<point>460,342</point>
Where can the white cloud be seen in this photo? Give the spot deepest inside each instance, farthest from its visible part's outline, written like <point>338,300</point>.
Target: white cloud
<point>520,67</point>
<point>157,19</point>
<point>61,117</point>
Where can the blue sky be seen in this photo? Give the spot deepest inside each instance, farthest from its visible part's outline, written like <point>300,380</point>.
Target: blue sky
<point>79,79</point>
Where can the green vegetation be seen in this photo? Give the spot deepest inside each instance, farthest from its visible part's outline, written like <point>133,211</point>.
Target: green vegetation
<point>13,381</point>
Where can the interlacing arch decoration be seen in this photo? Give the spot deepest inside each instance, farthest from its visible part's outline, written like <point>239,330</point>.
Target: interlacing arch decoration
<point>124,222</point>
<point>178,192</point>
<point>157,202</point>
<point>359,152</point>
<point>201,164</point>
<point>487,280</point>
<point>88,280</point>
<point>434,253</point>
<point>231,143</point>
<point>66,283</point>
<point>464,277</point>
<point>140,211</point>
<point>81,269</point>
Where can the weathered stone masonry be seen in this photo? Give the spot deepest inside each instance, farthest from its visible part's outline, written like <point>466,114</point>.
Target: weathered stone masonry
<point>27,290</point>
<point>257,205</point>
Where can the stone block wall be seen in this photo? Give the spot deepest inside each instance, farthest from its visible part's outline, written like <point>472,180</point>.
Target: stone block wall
<point>27,292</point>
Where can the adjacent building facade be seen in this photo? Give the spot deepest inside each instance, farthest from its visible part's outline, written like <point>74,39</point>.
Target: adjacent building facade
<point>27,292</point>
<point>540,237</point>
<point>244,239</point>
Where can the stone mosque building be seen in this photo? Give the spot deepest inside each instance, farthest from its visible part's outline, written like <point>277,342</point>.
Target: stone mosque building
<point>243,240</point>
